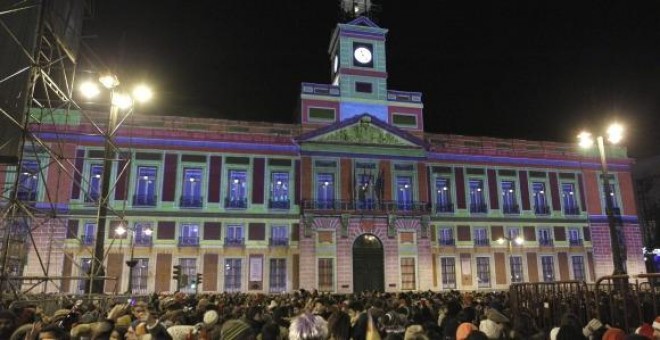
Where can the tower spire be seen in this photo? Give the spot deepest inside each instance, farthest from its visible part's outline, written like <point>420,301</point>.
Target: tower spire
<point>355,8</point>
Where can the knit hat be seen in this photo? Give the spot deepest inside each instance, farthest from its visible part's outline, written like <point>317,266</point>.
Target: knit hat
<point>464,330</point>
<point>656,324</point>
<point>210,318</point>
<point>645,330</point>
<point>495,316</point>
<point>234,329</point>
<point>614,334</point>
<point>591,327</point>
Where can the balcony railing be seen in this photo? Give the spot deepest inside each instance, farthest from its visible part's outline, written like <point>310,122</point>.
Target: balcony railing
<point>278,242</point>
<point>575,242</point>
<point>92,197</point>
<point>444,208</point>
<point>87,240</point>
<point>144,200</point>
<point>191,201</point>
<point>143,241</point>
<point>188,241</point>
<point>546,242</point>
<point>481,242</point>
<point>407,208</point>
<point>572,210</point>
<point>446,242</point>
<point>236,203</point>
<point>478,208</point>
<point>234,242</point>
<point>281,204</point>
<point>26,195</point>
<point>511,209</point>
<point>541,210</point>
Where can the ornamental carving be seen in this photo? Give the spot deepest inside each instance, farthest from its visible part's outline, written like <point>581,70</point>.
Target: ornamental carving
<point>363,133</point>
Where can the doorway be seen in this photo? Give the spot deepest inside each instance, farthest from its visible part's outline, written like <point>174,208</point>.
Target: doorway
<point>368,264</point>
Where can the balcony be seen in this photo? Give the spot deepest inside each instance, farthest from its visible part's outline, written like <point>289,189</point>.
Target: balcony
<point>572,210</point>
<point>234,242</point>
<point>575,242</point>
<point>446,242</point>
<point>541,210</point>
<point>191,201</point>
<point>444,208</point>
<point>511,209</point>
<point>478,208</point>
<point>236,203</point>
<point>368,206</point>
<point>87,240</point>
<point>144,200</point>
<point>92,197</point>
<point>278,242</point>
<point>188,241</point>
<point>546,242</point>
<point>28,196</point>
<point>281,204</point>
<point>142,241</point>
<point>481,242</point>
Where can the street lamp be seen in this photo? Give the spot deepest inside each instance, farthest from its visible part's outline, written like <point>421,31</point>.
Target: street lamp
<point>614,135</point>
<point>519,240</point>
<point>132,262</point>
<point>118,101</point>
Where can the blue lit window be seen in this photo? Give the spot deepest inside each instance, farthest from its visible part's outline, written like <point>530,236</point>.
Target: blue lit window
<point>569,199</point>
<point>325,190</point>
<point>145,192</point>
<point>578,268</point>
<point>279,190</point>
<point>540,200</point>
<point>234,235</point>
<point>94,192</point>
<point>516,269</point>
<point>443,195</point>
<point>612,196</point>
<point>28,181</point>
<point>232,275</point>
<point>192,188</point>
<point>404,192</point>
<point>279,236</point>
<point>365,190</point>
<point>509,201</point>
<point>85,269</point>
<point>88,234</point>
<point>483,272</point>
<point>189,234</point>
<point>277,275</point>
<point>477,201</point>
<point>188,274</point>
<point>237,189</point>
<point>480,237</point>
<point>548,264</point>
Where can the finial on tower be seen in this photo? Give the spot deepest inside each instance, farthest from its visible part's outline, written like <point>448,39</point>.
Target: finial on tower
<point>354,8</point>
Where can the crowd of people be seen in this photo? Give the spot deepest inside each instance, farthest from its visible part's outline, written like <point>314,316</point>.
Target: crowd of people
<point>301,315</point>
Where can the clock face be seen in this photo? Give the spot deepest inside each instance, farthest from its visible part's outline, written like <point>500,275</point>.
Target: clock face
<point>336,63</point>
<point>362,55</point>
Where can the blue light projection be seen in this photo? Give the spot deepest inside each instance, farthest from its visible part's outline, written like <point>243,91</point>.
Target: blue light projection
<point>348,110</point>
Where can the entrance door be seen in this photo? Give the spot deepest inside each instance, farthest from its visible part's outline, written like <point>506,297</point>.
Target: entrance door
<point>368,264</point>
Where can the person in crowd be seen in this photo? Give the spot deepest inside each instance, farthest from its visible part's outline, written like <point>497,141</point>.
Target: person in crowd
<point>7,324</point>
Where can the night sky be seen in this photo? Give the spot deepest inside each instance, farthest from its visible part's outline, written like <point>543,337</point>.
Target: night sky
<point>513,69</point>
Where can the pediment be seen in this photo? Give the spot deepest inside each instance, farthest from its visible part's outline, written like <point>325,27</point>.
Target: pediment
<point>363,21</point>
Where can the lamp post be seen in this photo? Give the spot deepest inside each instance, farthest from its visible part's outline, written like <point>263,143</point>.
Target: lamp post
<point>615,134</point>
<point>518,241</point>
<point>118,101</point>
<point>132,262</point>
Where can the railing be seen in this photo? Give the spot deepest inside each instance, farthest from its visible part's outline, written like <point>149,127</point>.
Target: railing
<point>191,201</point>
<point>87,239</point>
<point>541,210</point>
<point>481,242</point>
<point>234,242</point>
<point>92,197</point>
<point>511,209</point>
<point>145,200</point>
<point>546,242</point>
<point>322,89</point>
<point>236,203</point>
<point>409,207</point>
<point>446,242</point>
<point>278,242</point>
<point>143,241</point>
<point>572,211</point>
<point>188,241</point>
<point>444,208</point>
<point>575,242</point>
<point>26,195</point>
<point>478,208</point>
<point>282,204</point>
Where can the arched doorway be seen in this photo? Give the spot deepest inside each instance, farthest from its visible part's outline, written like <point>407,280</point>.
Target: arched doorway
<point>368,264</point>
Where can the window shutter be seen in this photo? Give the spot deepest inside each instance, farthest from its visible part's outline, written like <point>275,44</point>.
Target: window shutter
<point>554,191</point>
<point>560,234</point>
<point>257,231</point>
<point>530,233</point>
<point>460,188</point>
<point>212,230</point>
<point>169,178</point>
<point>463,233</point>
<point>497,232</point>
<point>215,175</point>
<point>258,180</point>
<point>72,229</point>
<point>295,232</point>
<point>165,231</point>
<point>524,190</point>
<point>493,189</point>
<point>77,176</point>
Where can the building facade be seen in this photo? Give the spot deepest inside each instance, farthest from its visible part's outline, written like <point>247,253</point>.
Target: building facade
<point>355,195</point>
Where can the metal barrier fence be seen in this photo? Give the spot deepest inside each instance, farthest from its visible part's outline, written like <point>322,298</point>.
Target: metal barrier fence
<point>620,301</point>
<point>52,304</point>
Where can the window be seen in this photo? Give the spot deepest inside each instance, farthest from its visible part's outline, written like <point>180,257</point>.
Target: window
<point>578,268</point>
<point>574,238</point>
<point>477,201</point>
<point>192,188</point>
<point>513,233</point>
<point>85,270</point>
<point>189,235</point>
<point>237,190</point>
<point>319,113</point>
<point>143,232</point>
<point>28,181</point>
<point>611,194</point>
<point>569,199</point>
<point>325,190</point>
<point>140,276</point>
<point>232,275</point>
<point>540,202</point>
<point>365,189</point>
<point>404,120</point>
<point>145,191</point>
<point>448,270</point>
<point>88,234</point>
<point>548,265</point>
<point>277,277</point>
<point>279,190</point>
<point>94,190</point>
<point>326,274</point>
<point>446,236</point>
<point>443,203</point>
<point>516,269</point>
<point>483,272</point>
<point>279,236</point>
<point>408,273</point>
<point>363,87</point>
<point>545,237</point>
<point>404,192</point>
<point>480,237</point>
<point>509,201</point>
<point>188,274</point>
<point>234,235</point>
